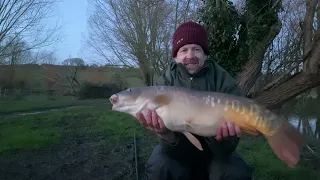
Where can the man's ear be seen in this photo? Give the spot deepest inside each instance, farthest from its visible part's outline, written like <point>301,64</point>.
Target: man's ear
<point>205,57</point>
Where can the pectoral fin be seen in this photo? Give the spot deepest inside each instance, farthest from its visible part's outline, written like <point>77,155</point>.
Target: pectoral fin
<point>193,140</point>
<point>161,99</point>
<point>158,101</point>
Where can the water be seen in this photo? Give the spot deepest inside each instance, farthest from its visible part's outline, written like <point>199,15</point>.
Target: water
<point>313,128</point>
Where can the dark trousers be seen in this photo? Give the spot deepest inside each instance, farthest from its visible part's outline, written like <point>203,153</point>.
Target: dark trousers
<point>161,166</point>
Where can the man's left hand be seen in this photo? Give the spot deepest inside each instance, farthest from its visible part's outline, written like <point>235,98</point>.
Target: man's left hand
<point>226,129</point>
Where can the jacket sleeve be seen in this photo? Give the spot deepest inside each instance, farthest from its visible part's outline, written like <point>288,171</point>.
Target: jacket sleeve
<point>227,84</point>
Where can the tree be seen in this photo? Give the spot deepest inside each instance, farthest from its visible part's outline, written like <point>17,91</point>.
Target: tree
<point>23,20</point>
<point>266,46</point>
<point>73,66</point>
<point>73,62</point>
<point>45,57</point>
<point>137,33</point>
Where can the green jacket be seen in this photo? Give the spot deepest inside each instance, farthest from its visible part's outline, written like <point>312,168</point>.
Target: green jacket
<point>211,77</point>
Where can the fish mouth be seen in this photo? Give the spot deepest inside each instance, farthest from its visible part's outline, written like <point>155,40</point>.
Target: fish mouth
<point>120,105</point>
<point>114,100</point>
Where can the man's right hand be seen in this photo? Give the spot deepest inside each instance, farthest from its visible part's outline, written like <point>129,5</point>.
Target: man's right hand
<point>154,123</point>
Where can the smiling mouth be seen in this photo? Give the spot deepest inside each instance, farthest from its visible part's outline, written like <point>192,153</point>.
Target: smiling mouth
<point>191,64</point>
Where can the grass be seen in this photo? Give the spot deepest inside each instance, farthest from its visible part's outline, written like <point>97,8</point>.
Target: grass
<point>267,166</point>
<point>29,132</point>
<point>37,102</point>
<point>42,130</point>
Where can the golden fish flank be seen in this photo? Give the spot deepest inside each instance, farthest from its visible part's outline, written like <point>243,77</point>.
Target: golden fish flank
<point>234,105</point>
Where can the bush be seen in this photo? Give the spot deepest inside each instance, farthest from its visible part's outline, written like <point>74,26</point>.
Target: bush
<point>91,90</point>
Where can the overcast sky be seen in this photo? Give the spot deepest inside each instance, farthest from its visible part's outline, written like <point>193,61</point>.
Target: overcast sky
<point>74,15</point>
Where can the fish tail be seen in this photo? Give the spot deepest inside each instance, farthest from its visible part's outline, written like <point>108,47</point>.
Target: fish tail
<point>286,143</point>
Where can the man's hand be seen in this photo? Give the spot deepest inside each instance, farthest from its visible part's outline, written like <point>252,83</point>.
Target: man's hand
<point>227,128</point>
<point>152,122</point>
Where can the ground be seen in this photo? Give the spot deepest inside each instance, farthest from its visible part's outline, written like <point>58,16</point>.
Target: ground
<point>94,143</point>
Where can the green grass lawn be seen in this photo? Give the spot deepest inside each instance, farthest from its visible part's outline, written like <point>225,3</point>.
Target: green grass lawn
<point>43,130</point>
<point>41,102</point>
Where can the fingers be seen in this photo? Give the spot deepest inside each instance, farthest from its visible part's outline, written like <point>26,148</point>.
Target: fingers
<point>149,118</point>
<point>238,131</point>
<point>224,129</point>
<point>227,128</point>
<point>154,119</point>
<point>219,134</point>
<point>231,128</point>
<point>141,118</point>
<point>161,124</point>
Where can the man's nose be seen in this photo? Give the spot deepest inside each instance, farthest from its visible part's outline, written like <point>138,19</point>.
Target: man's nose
<point>190,54</point>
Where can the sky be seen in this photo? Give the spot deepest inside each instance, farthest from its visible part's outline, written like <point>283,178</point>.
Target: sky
<point>73,14</point>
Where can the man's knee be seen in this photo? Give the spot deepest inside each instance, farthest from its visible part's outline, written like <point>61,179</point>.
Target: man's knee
<point>161,167</point>
<point>234,168</point>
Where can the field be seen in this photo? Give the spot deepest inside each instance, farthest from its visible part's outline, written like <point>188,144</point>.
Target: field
<point>37,103</point>
<point>91,142</point>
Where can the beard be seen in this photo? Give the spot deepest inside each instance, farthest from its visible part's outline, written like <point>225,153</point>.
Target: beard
<point>192,65</point>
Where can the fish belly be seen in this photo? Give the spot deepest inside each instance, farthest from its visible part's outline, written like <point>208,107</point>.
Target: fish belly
<point>172,119</point>
<point>204,125</point>
<point>194,118</point>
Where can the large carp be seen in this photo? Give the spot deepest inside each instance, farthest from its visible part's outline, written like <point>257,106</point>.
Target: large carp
<point>202,112</point>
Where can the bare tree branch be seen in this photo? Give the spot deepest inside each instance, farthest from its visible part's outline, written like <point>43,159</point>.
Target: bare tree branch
<point>308,77</point>
<point>23,19</point>
<point>136,34</point>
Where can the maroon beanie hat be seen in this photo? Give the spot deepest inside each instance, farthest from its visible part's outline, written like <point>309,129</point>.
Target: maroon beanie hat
<point>190,33</point>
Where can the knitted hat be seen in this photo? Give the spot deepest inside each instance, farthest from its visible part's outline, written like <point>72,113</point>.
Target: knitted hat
<point>190,33</point>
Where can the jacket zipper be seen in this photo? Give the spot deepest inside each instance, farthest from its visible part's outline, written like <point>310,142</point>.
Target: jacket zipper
<point>191,80</point>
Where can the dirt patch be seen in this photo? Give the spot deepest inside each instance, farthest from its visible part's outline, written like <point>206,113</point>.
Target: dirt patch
<point>80,156</point>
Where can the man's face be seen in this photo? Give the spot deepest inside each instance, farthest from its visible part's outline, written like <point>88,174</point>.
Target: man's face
<point>191,56</point>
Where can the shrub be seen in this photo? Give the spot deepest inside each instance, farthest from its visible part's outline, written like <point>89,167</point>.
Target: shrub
<point>91,90</point>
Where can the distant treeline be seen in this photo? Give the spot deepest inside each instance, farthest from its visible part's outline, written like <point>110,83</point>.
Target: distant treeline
<point>61,77</point>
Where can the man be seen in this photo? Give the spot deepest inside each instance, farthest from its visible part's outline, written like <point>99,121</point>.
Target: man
<point>175,158</point>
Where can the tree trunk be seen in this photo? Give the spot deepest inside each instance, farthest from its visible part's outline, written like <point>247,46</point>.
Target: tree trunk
<point>302,81</point>
<point>250,73</point>
<point>291,88</point>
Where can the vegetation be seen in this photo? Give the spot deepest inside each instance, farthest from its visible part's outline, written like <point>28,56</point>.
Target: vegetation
<point>63,80</point>
<point>20,22</point>
<point>271,51</point>
<point>30,132</point>
<point>45,135</point>
<point>265,47</point>
<point>271,47</point>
